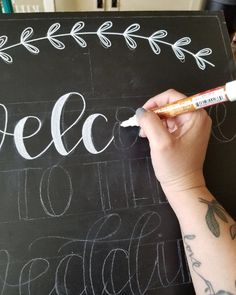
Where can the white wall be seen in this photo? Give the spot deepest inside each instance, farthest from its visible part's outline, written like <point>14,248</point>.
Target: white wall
<point>91,5</point>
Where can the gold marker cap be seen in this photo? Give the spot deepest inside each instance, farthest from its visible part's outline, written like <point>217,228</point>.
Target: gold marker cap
<point>230,89</point>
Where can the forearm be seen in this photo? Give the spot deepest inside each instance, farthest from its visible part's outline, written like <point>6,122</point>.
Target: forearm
<point>178,148</point>
<point>209,240</point>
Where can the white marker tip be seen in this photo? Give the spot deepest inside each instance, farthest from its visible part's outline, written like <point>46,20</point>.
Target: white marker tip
<point>130,122</point>
<point>123,124</point>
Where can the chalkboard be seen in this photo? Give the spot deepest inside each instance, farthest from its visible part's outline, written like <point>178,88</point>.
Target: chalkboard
<point>80,209</point>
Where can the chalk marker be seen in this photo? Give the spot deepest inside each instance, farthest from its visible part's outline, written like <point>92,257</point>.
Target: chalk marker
<point>192,103</point>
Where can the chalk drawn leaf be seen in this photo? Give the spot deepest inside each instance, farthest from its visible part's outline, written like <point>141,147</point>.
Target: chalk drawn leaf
<point>105,26</point>
<point>56,43</point>
<point>158,35</point>
<point>32,49</point>
<point>3,40</point>
<point>105,41</point>
<point>75,33</point>
<point>79,40</point>
<point>28,32</point>
<point>179,53</point>
<point>6,57</point>
<point>204,52</point>
<point>77,27</point>
<point>200,62</point>
<point>131,29</point>
<point>53,28</point>
<point>182,42</point>
<point>155,47</point>
<point>24,38</point>
<point>130,42</point>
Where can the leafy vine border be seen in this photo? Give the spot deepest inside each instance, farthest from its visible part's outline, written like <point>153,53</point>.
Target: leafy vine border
<point>154,41</point>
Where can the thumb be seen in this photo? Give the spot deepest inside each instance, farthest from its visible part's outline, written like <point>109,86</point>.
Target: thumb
<point>153,127</point>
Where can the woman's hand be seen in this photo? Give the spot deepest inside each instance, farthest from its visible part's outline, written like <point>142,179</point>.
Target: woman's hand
<point>178,145</point>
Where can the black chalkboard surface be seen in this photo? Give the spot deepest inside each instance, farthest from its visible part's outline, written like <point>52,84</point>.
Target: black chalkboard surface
<point>80,209</point>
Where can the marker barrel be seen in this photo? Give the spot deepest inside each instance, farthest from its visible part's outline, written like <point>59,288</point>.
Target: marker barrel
<point>192,103</point>
<point>198,101</point>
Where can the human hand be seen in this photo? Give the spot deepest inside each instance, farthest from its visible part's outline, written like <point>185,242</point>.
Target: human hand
<point>178,145</point>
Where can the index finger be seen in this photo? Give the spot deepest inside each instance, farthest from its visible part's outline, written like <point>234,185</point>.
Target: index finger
<point>163,98</point>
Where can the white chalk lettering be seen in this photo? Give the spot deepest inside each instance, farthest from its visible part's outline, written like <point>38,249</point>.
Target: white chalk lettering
<point>56,132</point>
<point>88,137</point>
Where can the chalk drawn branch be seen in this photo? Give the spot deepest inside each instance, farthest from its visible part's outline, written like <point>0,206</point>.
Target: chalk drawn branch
<point>130,36</point>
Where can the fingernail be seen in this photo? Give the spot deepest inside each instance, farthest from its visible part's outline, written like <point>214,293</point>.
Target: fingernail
<point>139,112</point>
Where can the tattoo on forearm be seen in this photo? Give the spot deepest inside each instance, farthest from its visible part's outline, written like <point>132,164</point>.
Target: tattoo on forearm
<point>223,293</point>
<point>233,232</point>
<point>195,265</point>
<point>214,210</point>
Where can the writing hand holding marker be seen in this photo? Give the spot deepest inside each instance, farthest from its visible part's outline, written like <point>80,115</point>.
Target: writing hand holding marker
<point>178,147</point>
<point>174,140</point>
<point>192,103</point>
